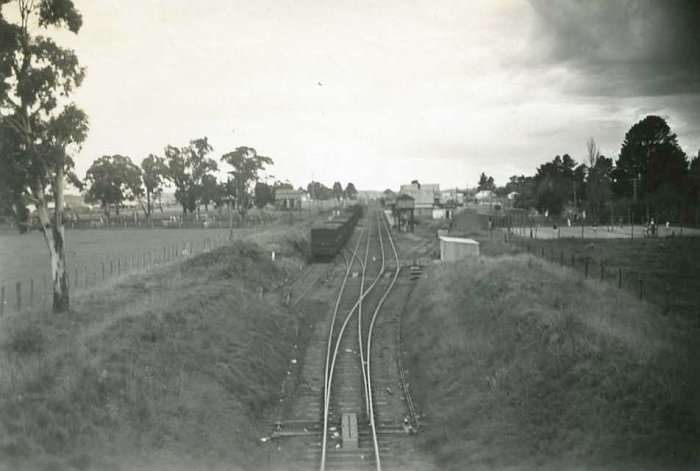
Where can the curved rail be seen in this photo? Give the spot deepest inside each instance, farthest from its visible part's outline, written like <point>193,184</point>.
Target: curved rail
<point>332,360</point>
<point>366,368</point>
<point>326,381</point>
<point>369,345</point>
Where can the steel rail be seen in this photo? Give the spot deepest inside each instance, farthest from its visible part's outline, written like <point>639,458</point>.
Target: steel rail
<point>326,382</point>
<point>348,267</point>
<point>359,326</point>
<point>373,424</point>
<point>334,359</point>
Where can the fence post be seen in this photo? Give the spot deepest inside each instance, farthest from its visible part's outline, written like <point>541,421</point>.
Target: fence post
<point>619,278</point>
<point>119,266</point>
<point>86,277</point>
<point>31,293</point>
<point>19,296</point>
<point>111,268</point>
<point>586,269</point>
<point>542,252</point>
<point>103,270</point>
<point>2,301</point>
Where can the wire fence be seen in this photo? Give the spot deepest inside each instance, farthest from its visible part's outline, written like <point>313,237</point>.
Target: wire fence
<point>672,290</point>
<point>36,293</point>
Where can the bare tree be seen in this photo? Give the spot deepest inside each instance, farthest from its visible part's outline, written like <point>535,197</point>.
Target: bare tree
<point>592,152</point>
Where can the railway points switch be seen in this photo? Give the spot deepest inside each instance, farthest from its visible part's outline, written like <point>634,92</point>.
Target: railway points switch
<point>349,429</point>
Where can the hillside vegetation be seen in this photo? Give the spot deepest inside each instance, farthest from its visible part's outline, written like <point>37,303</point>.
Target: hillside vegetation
<point>518,364</point>
<point>168,370</point>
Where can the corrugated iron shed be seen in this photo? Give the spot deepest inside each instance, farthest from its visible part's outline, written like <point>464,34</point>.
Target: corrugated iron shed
<point>457,248</point>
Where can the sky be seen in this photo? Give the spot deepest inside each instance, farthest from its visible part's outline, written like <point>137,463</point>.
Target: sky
<point>380,93</point>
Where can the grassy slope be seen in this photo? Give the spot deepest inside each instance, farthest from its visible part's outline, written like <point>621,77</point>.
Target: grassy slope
<point>518,364</point>
<point>169,370</point>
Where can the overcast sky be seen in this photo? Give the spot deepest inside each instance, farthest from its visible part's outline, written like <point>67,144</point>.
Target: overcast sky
<point>383,92</point>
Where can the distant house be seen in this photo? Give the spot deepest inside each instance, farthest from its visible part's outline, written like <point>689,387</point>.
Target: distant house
<point>451,196</point>
<point>485,197</point>
<point>289,199</point>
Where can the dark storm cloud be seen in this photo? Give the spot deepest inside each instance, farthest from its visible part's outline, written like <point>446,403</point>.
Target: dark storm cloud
<point>622,48</point>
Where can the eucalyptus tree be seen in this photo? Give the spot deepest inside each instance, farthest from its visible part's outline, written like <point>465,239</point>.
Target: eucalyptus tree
<point>40,129</point>
<point>186,168</point>
<point>247,164</point>
<point>111,180</point>
<point>153,173</point>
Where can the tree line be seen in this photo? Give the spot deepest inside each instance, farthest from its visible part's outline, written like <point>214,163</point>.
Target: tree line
<point>651,177</point>
<point>113,179</point>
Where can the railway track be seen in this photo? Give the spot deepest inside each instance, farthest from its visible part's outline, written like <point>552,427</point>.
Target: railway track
<point>350,403</point>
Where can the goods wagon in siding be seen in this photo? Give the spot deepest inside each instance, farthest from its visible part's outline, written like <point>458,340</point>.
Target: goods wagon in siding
<point>328,238</point>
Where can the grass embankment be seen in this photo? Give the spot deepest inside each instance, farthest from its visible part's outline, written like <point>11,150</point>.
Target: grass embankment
<point>168,370</point>
<point>522,365</point>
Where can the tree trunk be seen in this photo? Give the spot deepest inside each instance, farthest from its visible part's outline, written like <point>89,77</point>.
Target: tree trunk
<point>149,209</point>
<point>230,220</point>
<point>54,236</point>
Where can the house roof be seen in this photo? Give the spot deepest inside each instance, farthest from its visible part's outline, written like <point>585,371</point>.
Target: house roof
<point>458,240</point>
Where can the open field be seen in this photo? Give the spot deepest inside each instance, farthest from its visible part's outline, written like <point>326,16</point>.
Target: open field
<point>25,257</point>
<point>518,364</point>
<point>114,251</point>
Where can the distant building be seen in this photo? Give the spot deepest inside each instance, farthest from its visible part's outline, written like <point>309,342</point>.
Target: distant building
<point>451,197</point>
<point>425,196</point>
<point>289,199</point>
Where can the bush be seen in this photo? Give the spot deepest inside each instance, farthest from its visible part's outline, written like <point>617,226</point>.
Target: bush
<point>27,340</point>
